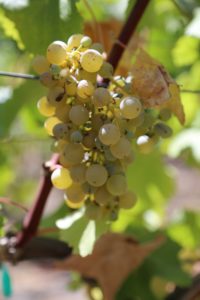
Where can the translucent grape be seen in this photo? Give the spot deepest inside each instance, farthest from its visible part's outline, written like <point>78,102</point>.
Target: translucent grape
<point>78,173</point>
<point>121,149</point>
<point>47,80</point>
<point>74,205</point>
<point>58,146</point>
<point>74,193</point>
<point>50,123</point>
<point>85,89</point>
<point>82,74</point>
<point>89,140</point>
<point>98,47</point>
<point>109,134</point>
<point>116,185</point>
<point>130,107</point>
<point>101,97</point>
<point>78,114</point>
<point>96,175</point>
<point>93,211</point>
<point>165,114</point>
<point>74,41</point>
<point>57,52</point>
<point>61,178</point>
<point>91,60</point>
<point>40,64</point>
<point>127,200</point>
<point>62,112</point>
<point>73,153</point>
<point>45,108</point>
<point>71,88</point>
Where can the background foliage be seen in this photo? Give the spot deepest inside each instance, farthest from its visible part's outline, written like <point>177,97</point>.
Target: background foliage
<point>166,181</point>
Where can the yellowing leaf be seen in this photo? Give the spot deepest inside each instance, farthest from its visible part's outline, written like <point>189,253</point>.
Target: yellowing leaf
<point>154,86</point>
<point>174,103</point>
<point>113,258</point>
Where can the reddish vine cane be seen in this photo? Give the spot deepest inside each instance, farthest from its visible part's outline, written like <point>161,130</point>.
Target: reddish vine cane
<point>34,215</point>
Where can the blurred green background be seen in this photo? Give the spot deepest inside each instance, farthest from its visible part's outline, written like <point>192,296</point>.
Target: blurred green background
<point>166,181</point>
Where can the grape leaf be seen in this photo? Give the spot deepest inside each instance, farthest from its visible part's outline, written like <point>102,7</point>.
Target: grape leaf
<point>49,24</point>
<point>113,258</point>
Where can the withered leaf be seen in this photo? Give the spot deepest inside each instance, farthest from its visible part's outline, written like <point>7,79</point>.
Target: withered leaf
<point>114,256</point>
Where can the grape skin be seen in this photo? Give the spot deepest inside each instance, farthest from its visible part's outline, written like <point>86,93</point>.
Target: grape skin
<point>109,134</point>
<point>78,114</point>
<point>130,107</point>
<point>116,185</point>
<point>45,108</point>
<point>57,52</point>
<point>61,178</point>
<point>96,175</point>
<point>91,60</point>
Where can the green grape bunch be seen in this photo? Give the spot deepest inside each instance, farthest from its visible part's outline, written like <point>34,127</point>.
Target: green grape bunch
<point>95,127</point>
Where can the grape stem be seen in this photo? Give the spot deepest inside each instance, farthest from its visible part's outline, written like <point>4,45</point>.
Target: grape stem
<point>33,217</point>
<point>19,75</point>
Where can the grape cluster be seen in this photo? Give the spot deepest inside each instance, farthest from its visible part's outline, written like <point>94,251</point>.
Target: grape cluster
<point>94,125</point>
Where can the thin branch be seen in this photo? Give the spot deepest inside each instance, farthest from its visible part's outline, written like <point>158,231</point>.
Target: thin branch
<point>127,31</point>
<point>19,75</point>
<point>191,91</point>
<point>13,203</point>
<point>34,215</point>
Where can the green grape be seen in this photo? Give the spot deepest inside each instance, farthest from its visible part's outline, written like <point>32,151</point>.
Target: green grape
<point>82,74</point>
<point>73,153</point>
<point>162,130</point>
<point>145,144</point>
<point>136,122</point>
<point>102,196</point>
<point>96,175</point>
<point>78,114</point>
<point>109,134</point>
<point>86,42</point>
<point>57,53</point>
<point>61,178</point>
<point>47,80</point>
<point>77,173</point>
<point>85,89</point>
<point>116,185</point>
<point>101,97</point>
<point>165,114</point>
<point>121,149</point>
<point>45,108</point>
<point>88,189</point>
<point>62,112</point>
<point>74,205</point>
<point>130,107</point>
<point>40,64</point>
<point>76,136</point>
<point>61,131</point>
<point>55,71</point>
<point>74,41</point>
<point>71,88</point>
<point>108,155</point>
<point>74,193</point>
<point>50,123</point>
<point>106,70</point>
<point>114,168</point>
<point>98,47</point>
<point>55,95</point>
<point>91,60</point>
<point>127,200</point>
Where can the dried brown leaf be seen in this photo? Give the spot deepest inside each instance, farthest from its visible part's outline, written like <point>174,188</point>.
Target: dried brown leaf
<point>113,258</point>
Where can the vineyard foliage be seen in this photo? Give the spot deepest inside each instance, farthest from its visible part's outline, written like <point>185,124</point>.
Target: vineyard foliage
<point>166,180</point>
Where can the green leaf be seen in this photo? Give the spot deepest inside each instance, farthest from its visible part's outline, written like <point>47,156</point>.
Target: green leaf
<point>88,239</point>
<point>40,23</point>
<point>22,95</point>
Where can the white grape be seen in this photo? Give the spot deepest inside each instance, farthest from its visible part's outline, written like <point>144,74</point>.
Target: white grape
<point>61,178</point>
<point>96,175</point>
<point>40,64</point>
<point>109,134</point>
<point>78,114</point>
<point>91,60</point>
<point>101,97</point>
<point>57,52</point>
<point>85,89</point>
<point>74,41</point>
<point>50,123</point>
<point>121,149</point>
<point>116,185</point>
<point>45,108</point>
<point>73,153</point>
<point>127,200</point>
<point>130,107</point>
<point>74,193</point>
<point>78,173</point>
<point>102,196</point>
